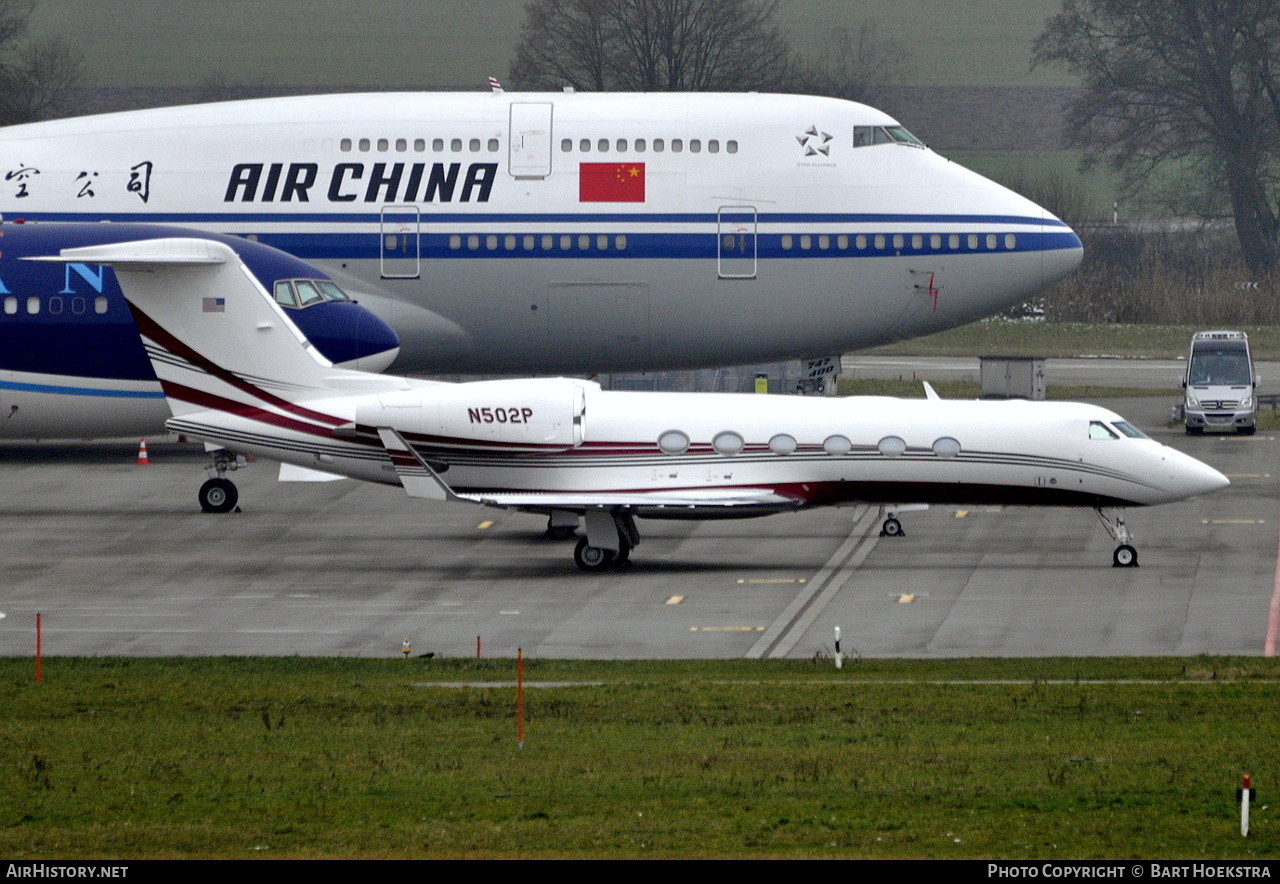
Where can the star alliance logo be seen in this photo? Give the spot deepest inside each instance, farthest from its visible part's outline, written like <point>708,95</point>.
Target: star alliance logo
<point>815,142</point>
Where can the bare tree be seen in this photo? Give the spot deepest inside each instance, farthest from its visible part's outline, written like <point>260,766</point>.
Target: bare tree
<point>38,79</point>
<point>1188,81</point>
<point>858,67</point>
<point>219,87</point>
<point>650,45</point>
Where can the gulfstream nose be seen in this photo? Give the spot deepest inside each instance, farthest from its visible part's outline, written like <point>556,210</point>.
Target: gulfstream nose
<point>1191,478</point>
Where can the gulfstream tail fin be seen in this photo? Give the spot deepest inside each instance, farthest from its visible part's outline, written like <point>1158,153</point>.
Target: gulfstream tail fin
<point>208,325</point>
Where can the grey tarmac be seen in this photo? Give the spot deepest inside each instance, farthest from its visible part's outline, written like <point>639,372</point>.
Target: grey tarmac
<point>119,561</point>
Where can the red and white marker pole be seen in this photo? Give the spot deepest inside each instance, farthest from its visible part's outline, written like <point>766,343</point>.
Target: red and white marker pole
<point>839,656</point>
<point>1245,793</point>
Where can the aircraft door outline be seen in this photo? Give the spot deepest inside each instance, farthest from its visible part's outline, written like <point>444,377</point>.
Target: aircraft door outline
<point>400,242</point>
<point>736,248</point>
<point>529,151</point>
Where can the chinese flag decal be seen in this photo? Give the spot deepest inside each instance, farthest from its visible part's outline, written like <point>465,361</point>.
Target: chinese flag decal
<point>611,182</point>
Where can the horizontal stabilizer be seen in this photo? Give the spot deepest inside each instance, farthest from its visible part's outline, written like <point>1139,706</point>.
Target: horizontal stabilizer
<point>173,252</point>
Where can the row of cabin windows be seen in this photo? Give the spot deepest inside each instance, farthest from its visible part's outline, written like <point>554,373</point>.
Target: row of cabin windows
<point>881,241</point>
<point>529,242</point>
<point>57,305</point>
<point>438,145</point>
<point>492,145</point>
<point>583,241</point>
<point>640,145</point>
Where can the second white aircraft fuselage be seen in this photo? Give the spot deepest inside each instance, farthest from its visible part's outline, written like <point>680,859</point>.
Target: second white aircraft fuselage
<point>547,233</point>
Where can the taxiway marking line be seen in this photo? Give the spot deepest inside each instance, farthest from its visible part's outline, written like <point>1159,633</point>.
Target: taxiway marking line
<point>783,634</point>
<point>675,600</point>
<point>485,525</point>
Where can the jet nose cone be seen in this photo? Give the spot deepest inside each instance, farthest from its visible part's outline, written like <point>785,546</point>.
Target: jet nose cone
<point>378,361</point>
<point>377,343</point>
<point>1061,261</point>
<point>1191,478</point>
<point>349,335</point>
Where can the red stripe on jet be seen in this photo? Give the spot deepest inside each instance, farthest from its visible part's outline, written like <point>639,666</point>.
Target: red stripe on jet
<point>153,330</point>
<point>214,402</point>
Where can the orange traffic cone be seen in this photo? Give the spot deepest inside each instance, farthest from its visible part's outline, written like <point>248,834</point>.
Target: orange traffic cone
<point>142,453</point>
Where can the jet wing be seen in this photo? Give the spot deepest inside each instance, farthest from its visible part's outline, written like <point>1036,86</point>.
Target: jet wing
<point>420,480</point>
<point>675,498</point>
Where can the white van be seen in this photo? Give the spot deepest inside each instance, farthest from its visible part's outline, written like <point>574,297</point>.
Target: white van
<point>1220,384</point>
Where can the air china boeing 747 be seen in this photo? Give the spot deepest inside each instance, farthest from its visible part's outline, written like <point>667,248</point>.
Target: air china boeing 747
<point>547,232</point>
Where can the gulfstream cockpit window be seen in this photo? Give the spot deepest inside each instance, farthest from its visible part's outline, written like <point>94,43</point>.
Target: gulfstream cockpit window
<point>864,136</point>
<point>1129,430</point>
<point>1099,430</point>
<point>298,293</point>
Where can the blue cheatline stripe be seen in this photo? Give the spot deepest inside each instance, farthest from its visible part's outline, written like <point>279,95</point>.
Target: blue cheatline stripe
<point>59,390</point>
<point>436,217</point>
<point>458,246</point>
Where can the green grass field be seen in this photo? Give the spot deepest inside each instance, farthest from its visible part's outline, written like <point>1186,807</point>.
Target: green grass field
<point>1066,758</point>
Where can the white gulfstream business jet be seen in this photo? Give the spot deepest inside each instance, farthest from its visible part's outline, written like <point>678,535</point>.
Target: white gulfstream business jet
<point>564,233</point>
<point>245,378</point>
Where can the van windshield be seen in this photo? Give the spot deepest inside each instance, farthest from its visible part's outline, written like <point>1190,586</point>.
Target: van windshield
<point>1224,363</point>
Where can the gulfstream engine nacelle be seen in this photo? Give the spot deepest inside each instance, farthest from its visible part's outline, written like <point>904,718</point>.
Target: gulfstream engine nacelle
<point>514,415</point>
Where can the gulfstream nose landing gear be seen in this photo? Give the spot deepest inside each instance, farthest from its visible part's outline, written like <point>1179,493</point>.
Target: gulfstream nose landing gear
<point>1125,556</point>
<point>219,494</point>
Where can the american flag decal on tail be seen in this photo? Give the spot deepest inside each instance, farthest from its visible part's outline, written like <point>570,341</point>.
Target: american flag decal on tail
<point>213,305</point>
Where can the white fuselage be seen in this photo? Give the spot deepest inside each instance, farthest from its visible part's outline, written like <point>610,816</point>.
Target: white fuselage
<point>551,233</point>
<point>243,376</point>
<point>566,439</point>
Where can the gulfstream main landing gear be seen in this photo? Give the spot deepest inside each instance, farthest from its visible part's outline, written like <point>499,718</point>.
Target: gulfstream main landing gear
<point>562,524</point>
<point>219,494</point>
<point>611,535</point>
<point>1112,519</point>
<point>891,527</point>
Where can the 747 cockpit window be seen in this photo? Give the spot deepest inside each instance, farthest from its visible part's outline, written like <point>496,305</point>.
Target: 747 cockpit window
<point>297,293</point>
<point>864,136</point>
<point>1099,430</point>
